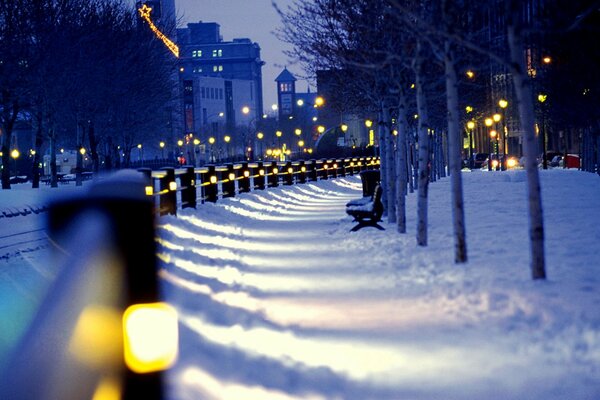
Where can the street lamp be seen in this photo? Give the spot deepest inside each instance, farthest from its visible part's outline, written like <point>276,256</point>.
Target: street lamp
<point>260,137</point>
<point>227,139</point>
<point>503,104</point>
<point>542,99</point>
<point>471,127</point>
<point>162,149</point>
<point>494,136</point>
<point>15,154</point>
<point>319,101</point>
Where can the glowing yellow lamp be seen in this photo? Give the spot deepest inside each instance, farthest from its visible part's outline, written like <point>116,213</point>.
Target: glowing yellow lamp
<point>149,191</point>
<point>150,337</point>
<point>172,186</point>
<point>213,179</point>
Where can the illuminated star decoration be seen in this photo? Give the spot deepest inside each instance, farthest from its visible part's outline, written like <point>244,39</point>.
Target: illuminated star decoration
<point>145,14</point>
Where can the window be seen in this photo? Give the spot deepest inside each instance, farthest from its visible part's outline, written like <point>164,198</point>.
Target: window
<point>217,53</point>
<point>285,87</point>
<point>220,94</point>
<point>203,92</point>
<point>197,53</point>
<point>217,68</point>
<point>197,70</point>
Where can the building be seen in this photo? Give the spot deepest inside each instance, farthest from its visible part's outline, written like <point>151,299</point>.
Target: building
<point>222,86</point>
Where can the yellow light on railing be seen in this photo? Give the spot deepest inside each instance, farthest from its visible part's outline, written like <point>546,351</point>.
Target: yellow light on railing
<point>290,170</point>
<point>359,163</point>
<point>352,164</point>
<point>213,179</point>
<point>275,171</point>
<point>172,186</point>
<point>149,190</point>
<point>303,169</point>
<point>232,177</point>
<point>335,166</point>
<point>150,337</point>
<point>193,182</point>
<point>246,174</point>
<point>325,166</point>
<point>261,172</point>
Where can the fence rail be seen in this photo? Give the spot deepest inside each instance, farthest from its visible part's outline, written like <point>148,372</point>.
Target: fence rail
<point>187,186</point>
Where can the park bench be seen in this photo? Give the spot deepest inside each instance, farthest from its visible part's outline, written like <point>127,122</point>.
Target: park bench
<point>367,212</point>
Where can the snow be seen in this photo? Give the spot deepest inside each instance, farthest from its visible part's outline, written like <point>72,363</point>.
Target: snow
<point>278,300</point>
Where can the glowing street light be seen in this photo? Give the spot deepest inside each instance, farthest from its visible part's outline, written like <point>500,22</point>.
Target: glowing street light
<point>298,131</point>
<point>488,122</point>
<point>246,110</point>
<point>368,123</point>
<point>15,154</point>
<point>344,127</point>
<point>503,103</point>
<point>470,74</point>
<point>496,117</point>
<point>320,129</point>
<point>471,127</point>
<point>319,101</point>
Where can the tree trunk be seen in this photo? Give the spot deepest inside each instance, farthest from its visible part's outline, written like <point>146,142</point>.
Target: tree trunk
<point>454,159</point>
<point>53,172</point>
<point>79,169</point>
<point>381,128</point>
<point>401,166</point>
<point>524,96</point>
<point>424,150</point>
<point>93,148</point>
<point>35,167</point>
<point>390,168</point>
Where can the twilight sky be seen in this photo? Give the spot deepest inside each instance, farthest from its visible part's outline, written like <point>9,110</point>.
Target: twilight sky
<point>254,19</point>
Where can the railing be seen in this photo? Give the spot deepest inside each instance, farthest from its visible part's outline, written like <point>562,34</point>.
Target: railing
<point>97,329</point>
<point>187,186</point>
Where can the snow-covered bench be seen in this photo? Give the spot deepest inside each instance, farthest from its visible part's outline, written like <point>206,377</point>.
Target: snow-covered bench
<point>367,210</point>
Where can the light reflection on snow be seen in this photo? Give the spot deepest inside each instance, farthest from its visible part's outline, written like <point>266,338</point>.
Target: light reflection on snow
<point>264,282</point>
<point>356,359</point>
<point>209,387</point>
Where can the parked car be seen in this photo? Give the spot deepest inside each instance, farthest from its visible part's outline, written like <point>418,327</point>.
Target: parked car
<point>573,161</point>
<point>477,160</point>
<point>508,162</point>
<point>18,179</point>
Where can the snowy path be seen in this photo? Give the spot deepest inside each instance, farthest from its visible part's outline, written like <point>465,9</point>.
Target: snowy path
<point>278,300</point>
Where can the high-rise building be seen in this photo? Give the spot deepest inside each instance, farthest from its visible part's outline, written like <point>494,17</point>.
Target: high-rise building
<point>222,83</point>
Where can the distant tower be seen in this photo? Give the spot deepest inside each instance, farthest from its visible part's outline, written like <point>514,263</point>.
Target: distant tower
<point>286,94</point>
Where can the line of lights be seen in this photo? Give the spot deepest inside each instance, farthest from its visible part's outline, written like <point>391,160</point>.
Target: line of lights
<point>145,14</point>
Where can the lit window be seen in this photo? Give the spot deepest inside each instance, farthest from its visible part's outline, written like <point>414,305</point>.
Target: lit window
<point>220,68</point>
<point>197,53</point>
<point>220,53</point>
<point>215,68</point>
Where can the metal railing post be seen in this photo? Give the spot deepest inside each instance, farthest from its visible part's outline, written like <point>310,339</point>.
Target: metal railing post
<point>228,181</point>
<point>273,174</point>
<point>168,189</point>
<point>188,185</point>
<point>244,182</point>
<point>210,182</point>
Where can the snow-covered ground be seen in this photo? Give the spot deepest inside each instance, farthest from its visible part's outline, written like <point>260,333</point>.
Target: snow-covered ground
<point>278,300</point>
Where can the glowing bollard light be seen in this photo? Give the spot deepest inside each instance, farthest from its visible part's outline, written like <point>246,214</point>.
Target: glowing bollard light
<point>150,337</point>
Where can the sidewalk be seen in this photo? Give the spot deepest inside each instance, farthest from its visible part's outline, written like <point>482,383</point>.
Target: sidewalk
<point>278,300</point>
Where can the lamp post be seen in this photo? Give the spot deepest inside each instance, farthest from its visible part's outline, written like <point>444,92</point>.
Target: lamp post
<point>227,139</point>
<point>503,104</point>
<point>471,127</point>
<point>497,118</point>
<point>489,122</point>
<point>15,154</point>
<point>542,99</point>
<point>180,145</point>
<point>260,137</point>
<point>162,149</point>
<point>211,141</point>
<point>494,136</point>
